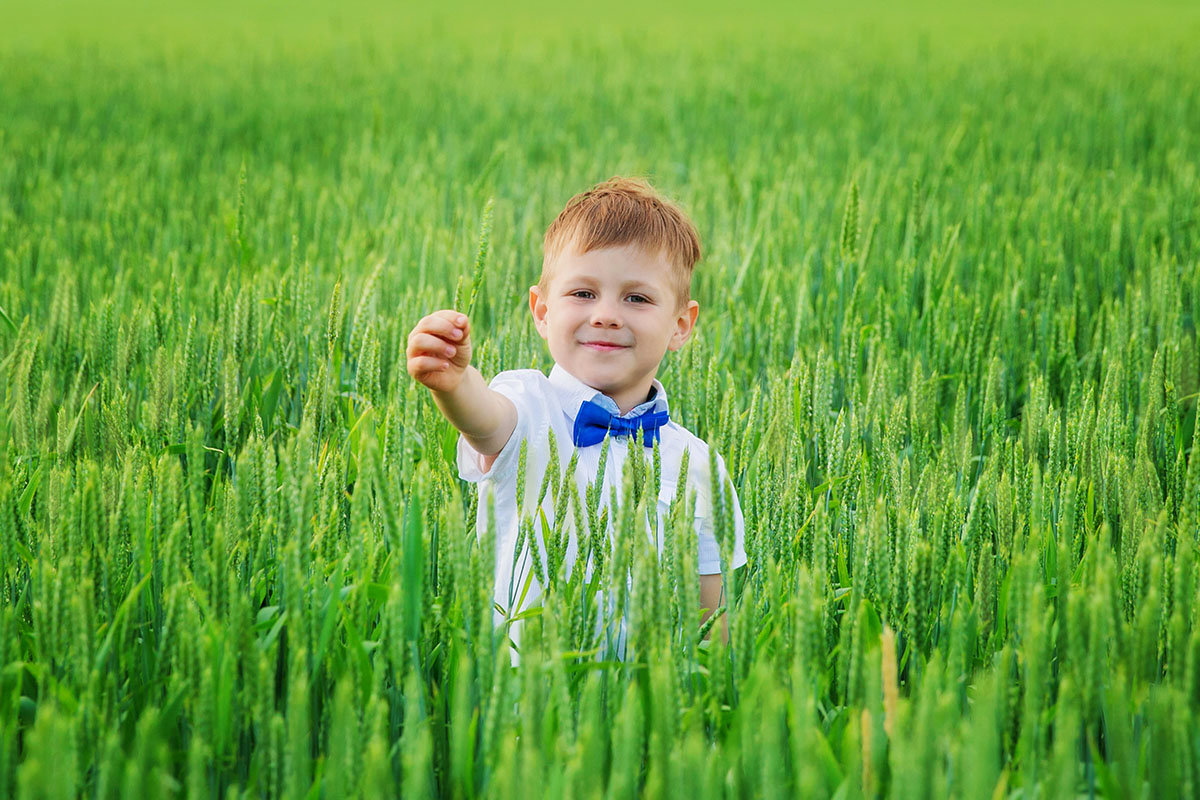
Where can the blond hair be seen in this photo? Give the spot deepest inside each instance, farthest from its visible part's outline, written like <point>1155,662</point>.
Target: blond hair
<point>623,211</point>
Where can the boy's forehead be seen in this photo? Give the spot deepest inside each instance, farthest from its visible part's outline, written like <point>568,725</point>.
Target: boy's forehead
<point>630,257</point>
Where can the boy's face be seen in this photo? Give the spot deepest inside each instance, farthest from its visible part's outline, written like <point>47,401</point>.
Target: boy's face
<point>609,316</point>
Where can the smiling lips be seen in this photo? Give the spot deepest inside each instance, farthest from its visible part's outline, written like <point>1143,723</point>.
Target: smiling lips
<point>604,347</point>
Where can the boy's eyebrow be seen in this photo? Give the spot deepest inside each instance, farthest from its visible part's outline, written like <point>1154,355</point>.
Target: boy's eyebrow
<point>634,284</point>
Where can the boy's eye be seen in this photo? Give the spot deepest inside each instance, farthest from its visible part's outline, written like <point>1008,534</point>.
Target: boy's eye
<point>581,293</point>
<point>639,298</point>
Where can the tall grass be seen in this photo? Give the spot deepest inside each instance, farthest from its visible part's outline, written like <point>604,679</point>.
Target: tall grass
<point>947,349</point>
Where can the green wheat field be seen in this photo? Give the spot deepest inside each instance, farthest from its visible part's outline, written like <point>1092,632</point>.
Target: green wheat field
<point>947,346</point>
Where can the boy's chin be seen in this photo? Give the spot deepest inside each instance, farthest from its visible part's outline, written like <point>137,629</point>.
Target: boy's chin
<point>596,379</point>
<point>601,382</point>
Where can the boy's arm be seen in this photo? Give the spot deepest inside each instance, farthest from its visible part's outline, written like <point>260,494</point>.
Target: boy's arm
<point>712,593</point>
<point>484,417</point>
<point>712,596</point>
<point>439,357</point>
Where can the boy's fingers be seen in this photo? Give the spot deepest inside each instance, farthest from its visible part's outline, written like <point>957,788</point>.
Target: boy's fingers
<point>433,323</point>
<point>455,318</point>
<point>424,365</point>
<point>435,329</point>
<point>442,323</point>
<point>427,343</point>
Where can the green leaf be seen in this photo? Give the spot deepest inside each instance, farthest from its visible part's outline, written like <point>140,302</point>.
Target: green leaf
<point>25,502</point>
<point>4,316</point>
<point>265,617</point>
<point>75,424</point>
<point>269,400</point>
<point>118,618</point>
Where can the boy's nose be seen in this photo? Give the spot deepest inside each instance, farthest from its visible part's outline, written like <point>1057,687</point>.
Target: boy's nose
<point>605,316</point>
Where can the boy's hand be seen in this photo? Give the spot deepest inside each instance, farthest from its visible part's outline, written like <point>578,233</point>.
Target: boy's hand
<point>439,350</point>
<point>439,357</point>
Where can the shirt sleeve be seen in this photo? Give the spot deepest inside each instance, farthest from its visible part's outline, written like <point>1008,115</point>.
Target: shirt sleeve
<point>521,392</point>
<point>710,551</point>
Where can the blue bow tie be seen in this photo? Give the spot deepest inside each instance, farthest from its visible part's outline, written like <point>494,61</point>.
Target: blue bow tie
<point>594,421</point>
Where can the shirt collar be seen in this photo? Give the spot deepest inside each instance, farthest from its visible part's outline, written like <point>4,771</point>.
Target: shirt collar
<point>572,392</point>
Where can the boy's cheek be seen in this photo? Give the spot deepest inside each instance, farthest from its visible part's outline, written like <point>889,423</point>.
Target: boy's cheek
<point>543,327</point>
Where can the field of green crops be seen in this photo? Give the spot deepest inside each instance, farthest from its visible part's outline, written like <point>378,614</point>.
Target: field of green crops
<point>947,347</point>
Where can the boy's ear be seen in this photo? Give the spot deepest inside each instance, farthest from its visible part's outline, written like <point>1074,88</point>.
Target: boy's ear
<point>684,324</point>
<point>538,308</point>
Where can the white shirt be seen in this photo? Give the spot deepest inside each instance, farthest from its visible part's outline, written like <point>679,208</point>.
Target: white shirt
<point>550,404</point>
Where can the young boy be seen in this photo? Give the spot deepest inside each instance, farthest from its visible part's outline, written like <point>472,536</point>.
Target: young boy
<point>612,299</point>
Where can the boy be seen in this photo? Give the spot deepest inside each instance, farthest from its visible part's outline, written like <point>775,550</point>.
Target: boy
<point>612,299</point>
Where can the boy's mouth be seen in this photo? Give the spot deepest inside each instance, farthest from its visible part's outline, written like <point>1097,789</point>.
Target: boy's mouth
<point>604,346</point>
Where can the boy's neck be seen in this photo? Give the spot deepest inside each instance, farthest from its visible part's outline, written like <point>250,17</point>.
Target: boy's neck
<point>625,404</point>
<point>628,400</point>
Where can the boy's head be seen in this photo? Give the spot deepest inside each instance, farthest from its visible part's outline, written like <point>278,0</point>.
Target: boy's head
<point>624,211</point>
<point>614,294</point>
